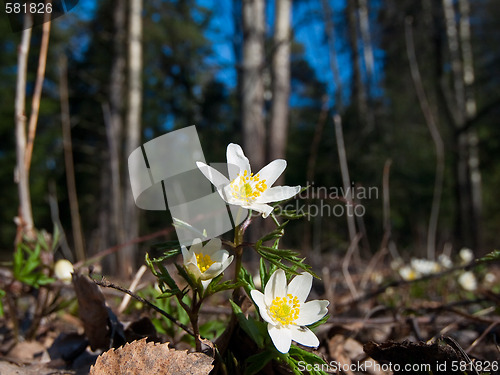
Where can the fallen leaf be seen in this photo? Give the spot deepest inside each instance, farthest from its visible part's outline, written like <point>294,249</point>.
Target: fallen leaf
<point>141,357</point>
<point>102,328</point>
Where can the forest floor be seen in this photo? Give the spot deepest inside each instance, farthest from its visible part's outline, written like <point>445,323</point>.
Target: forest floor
<point>374,315</point>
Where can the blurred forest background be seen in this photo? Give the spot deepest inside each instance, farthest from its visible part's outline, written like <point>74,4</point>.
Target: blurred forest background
<point>414,87</point>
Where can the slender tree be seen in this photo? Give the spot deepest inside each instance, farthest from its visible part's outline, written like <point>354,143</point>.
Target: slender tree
<point>281,82</point>
<point>133,130</point>
<point>252,89</point>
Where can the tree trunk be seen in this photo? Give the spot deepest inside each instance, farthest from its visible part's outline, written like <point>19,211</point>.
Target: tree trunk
<point>114,130</point>
<point>25,224</point>
<point>358,89</point>
<point>463,108</point>
<point>252,81</point>
<point>334,65</point>
<point>281,82</point>
<point>131,217</point>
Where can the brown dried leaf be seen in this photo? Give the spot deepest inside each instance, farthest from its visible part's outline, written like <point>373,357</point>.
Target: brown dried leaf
<point>141,357</point>
<point>102,328</point>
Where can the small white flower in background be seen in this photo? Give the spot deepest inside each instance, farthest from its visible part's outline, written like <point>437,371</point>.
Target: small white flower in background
<point>206,262</point>
<point>425,266</point>
<point>245,189</point>
<point>284,308</point>
<point>408,273</point>
<point>466,255</point>
<point>468,281</point>
<point>63,270</point>
<point>445,261</point>
<point>489,278</point>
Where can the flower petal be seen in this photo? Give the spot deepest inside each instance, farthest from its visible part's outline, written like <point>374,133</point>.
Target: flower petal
<point>235,156</point>
<point>275,287</point>
<point>205,283</point>
<point>213,271</point>
<point>213,175</point>
<point>227,262</point>
<point>304,336</point>
<point>311,312</point>
<point>272,171</point>
<point>277,194</point>
<point>300,286</point>
<point>212,247</point>
<point>282,337</point>
<point>264,209</point>
<point>258,298</point>
<point>186,254</point>
<point>196,247</point>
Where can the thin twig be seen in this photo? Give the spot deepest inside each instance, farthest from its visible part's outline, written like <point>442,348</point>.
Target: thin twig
<point>430,120</point>
<point>133,286</point>
<point>345,265</point>
<point>106,284</point>
<point>115,248</point>
<point>344,169</point>
<point>76,223</point>
<point>37,93</point>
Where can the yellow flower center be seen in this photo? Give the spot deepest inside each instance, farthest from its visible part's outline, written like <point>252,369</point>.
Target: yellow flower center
<point>204,262</point>
<point>247,187</point>
<point>285,310</point>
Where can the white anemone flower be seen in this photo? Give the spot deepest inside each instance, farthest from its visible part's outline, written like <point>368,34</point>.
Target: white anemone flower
<point>425,266</point>
<point>284,308</point>
<point>206,262</point>
<point>468,281</point>
<point>245,189</point>
<point>408,273</point>
<point>63,270</point>
<point>466,255</point>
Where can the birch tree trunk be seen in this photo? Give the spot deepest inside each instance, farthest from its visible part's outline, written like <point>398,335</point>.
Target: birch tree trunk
<point>463,108</point>
<point>131,217</point>
<point>281,82</point>
<point>25,224</point>
<point>252,89</point>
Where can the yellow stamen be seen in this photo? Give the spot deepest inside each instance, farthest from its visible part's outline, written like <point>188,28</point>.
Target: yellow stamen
<point>247,187</point>
<point>285,310</point>
<point>204,262</point>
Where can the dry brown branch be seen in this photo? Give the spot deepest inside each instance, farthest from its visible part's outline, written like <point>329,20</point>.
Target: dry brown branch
<point>344,169</point>
<point>106,284</point>
<point>37,93</point>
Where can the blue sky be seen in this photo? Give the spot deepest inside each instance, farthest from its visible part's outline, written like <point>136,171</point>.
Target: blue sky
<point>308,29</point>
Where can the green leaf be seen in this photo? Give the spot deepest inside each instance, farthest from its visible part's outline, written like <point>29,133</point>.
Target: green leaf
<point>246,280</point>
<point>494,255</point>
<point>250,326</point>
<point>297,355</point>
<point>323,320</point>
<point>212,329</point>
<point>2,294</point>
<point>258,361</point>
